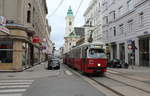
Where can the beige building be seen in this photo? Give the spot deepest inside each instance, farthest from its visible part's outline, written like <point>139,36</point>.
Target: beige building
<point>72,34</point>
<point>29,34</point>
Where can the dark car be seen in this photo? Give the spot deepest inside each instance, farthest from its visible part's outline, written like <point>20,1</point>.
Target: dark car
<point>53,64</point>
<point>115,63</point>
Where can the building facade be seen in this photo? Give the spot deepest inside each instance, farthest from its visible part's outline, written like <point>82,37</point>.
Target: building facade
<point>23,46</point>
<point>123,25</point>
<point>93,22</point>
<point>126,28</point>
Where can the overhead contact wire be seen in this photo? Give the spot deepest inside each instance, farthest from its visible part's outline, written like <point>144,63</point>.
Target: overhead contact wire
<point>78,8</point>
<point>61,2</point>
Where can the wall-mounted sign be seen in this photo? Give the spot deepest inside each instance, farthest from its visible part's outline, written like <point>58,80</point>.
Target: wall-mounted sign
<point>43,47</point>
<point>2,25</point>
<point>4,30</point>
<point>2,20</point>
<point>36,39</point>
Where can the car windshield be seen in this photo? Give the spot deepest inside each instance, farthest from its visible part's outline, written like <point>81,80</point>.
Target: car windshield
<point>96,53</point>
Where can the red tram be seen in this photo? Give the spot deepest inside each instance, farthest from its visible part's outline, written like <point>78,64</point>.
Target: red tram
<point>87,58</point>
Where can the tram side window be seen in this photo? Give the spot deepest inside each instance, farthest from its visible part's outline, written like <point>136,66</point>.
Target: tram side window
<point>84,52</point>
<point>6,51</point>
<point>78,53</point>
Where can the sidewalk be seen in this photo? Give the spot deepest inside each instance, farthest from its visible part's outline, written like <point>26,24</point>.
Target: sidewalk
<point>137,72</point>
<point>37,71</point>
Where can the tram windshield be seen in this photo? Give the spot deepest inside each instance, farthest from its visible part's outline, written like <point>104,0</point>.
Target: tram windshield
<point>96,53</point>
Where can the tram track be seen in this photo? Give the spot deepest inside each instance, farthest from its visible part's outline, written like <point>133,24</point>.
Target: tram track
<point>109,88</point>
<point>134,83</point>
<point>119,93</point>
<point>113,89</point>
<point>122,75</point>
<point>147,90</point>
<point>98,85</point>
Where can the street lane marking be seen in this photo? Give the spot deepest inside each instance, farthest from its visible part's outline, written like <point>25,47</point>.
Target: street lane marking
<point>68,72</point>
<point>14,87</point>
<point>12,90</point>
<point>112,71</point>
<point>3,81</point>
<point>23,83</point>
<point>11,95</point>
<point>18,86</point>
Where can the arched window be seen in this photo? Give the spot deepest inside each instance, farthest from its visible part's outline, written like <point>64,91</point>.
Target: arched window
<point>29,16</point>
<point>70,23</point>
<point>29,6</point>
<point>29,13</point>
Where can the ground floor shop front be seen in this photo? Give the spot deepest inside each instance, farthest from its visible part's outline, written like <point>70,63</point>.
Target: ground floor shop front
<point>123,50</point>
<point>17,52</point>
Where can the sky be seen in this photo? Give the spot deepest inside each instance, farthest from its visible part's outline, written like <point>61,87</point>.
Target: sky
<point>57,20</point>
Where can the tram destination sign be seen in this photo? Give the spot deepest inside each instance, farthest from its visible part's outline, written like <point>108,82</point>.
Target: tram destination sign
<point>96,46</point>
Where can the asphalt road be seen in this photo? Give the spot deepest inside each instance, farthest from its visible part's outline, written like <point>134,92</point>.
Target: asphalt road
<point>63,84</point>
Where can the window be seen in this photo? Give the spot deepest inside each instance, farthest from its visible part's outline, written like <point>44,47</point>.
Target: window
<point>28,16</point>
<point>29,5</point>
<point>114,28</point>
<point>105,5</point>
<point>110,31</point>
<point>96,53</point>
<point>130,24</point>
<point>99,4</point>
<point>120,10</point>
<point>105,18</point>
<point>6,51</point>
<point>112,15</point>
<point>121,28</point>
<point>141,17</point>
<point>130,4</point>
<point>70,23</point>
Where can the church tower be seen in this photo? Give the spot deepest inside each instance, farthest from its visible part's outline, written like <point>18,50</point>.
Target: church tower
<point>69,22</point>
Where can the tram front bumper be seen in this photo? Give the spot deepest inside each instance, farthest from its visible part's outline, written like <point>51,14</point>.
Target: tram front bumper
<point>97,69</point>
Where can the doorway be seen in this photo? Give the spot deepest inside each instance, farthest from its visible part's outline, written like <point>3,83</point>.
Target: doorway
<point>122,51</point>
<point>144,51</point>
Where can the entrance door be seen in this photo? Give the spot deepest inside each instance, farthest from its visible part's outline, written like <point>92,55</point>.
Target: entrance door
<point>114,49</point>
<point>144,51</point>
<point>122,52</point>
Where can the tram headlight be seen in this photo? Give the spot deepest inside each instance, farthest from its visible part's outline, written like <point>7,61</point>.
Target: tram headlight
<point>99,65</point>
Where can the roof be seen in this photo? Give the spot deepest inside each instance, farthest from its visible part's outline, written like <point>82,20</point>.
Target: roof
<point>76,32</point>
<point>79,31</point>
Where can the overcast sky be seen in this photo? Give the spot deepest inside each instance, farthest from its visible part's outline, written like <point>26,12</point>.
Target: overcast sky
<point>57,20</point>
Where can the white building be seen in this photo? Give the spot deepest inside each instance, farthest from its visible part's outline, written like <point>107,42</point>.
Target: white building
<point>125,21</point>
<point>93,19</point>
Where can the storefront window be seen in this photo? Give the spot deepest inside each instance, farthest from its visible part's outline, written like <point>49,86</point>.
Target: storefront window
<point>6,51</point>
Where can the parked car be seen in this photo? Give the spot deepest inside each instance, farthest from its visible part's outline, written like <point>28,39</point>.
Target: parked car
<point>49,67</point>
<point>53,64</point>
<point>115,63</point>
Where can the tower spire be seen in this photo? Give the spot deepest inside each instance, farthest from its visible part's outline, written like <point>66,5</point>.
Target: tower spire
<point>69,13</point>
